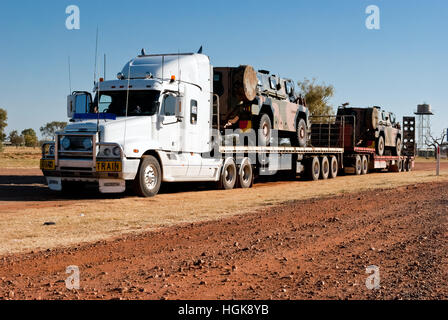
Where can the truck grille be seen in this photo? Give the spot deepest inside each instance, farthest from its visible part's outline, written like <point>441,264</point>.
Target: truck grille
<point>76,146</point>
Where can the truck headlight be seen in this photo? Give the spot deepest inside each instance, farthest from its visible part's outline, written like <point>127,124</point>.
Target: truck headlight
<point>106,152</point>
<point>87,143</point>
<point>65,142</point>
<point>117,151</point>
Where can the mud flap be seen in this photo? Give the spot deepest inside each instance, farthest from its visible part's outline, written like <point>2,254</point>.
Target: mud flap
<point>112,185</point>
<point>54,183</point>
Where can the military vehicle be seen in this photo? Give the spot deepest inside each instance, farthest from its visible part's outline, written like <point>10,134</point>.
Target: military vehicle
<point>375,127</point>
<point>263,102</point>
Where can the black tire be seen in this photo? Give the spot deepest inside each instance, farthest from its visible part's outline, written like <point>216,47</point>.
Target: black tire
<point>364,165</point>
<point>408,165</point>
<point>229,175</point>
<point>314,169</point>
<point>334,167</point>
<point>380,146</point>
<point>301,134</point>
<point>245,174</point>
<point>149,177</point>
<point>324,168</point>
<point>400,165</point>
<point>398,147</point>
<point>358,165</point>
<point>264,130</point>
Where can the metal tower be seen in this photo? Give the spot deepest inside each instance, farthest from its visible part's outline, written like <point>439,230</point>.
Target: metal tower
<point>424,114</point>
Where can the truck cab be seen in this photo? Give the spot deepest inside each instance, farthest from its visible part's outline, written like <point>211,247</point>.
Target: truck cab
<point>151,124</point>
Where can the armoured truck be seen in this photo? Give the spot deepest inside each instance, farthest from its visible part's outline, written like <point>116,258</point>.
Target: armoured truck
<point>167,118</point>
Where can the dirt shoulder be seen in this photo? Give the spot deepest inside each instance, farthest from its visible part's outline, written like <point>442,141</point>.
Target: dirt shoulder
<point>309,249</point>
<point>26,204</point>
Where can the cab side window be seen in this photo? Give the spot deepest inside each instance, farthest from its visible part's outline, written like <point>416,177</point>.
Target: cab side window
<point>169,106</point>
<point>193,112</point>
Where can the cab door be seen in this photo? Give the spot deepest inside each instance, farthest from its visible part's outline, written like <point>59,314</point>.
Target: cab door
<point>168,123</point>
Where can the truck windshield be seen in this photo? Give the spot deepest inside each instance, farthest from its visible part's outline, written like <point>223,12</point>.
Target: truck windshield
<point>140,103</point>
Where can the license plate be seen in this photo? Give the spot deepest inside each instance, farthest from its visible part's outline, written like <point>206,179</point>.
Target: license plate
<point>108,166</point>
<point>47,164</point>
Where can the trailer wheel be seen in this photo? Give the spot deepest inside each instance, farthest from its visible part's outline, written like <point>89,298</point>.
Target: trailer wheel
<point>334,168</point>
<point>408,165</point>
<point>149,177</point>
<point>380,146</point>
<point>324,168</point>
<point>400,165</point>
<point>264,130</point>
<point>358,165</point>
<point>314,169</point>
<point>228,175</point>
<point>245,174</point>
<point>365,165</point>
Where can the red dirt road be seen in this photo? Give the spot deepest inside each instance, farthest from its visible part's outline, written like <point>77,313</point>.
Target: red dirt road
<point>314,249</point>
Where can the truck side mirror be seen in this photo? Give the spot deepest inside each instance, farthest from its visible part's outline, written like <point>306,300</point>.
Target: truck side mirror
<point>78,102</point>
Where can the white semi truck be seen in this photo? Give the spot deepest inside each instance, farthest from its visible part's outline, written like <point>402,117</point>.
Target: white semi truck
<point>159,123</point>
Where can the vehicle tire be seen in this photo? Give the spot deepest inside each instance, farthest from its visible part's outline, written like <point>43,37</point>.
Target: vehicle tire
<point>301,134</point>
<point>398,146</point>
<point>400,165</point>
<point>314,169</point>
<point>380,146</point>
<point>324,168</point>
<point>264,130</point>
<point>149,177</point>
<point>358,165</point>
<point>229,175</point>
<point>334,167</point>
<point>408,165</point>
<point>245,174</point>
<point>365,165</point>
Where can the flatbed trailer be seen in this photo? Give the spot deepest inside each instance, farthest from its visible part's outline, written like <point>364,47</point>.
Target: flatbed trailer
<point>339,156</point>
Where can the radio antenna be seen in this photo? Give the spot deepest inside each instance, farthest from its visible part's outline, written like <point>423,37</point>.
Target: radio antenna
<point>96,56</point>
<point>104,66</point>
<point>69,76</point>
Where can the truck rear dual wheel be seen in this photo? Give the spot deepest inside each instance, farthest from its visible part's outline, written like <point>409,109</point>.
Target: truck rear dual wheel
<point>245,174</point>
<point>149,177</point>
<point>229,175</point>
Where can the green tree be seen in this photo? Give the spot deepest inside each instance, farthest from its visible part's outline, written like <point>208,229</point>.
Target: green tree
<point>15,139</point>
<point>51,128</point>
<point>30,137</point>
<point>317,96</point>
<point>3,124</point>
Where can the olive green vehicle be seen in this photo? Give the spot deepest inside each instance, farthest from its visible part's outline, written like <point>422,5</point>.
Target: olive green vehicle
<point>375,127</point>
<point>263,102</point>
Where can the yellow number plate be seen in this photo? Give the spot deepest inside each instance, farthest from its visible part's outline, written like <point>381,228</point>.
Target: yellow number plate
<point>108,166</point>
<point>47,164</point>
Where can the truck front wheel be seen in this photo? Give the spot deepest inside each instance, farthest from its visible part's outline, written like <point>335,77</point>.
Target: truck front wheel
<point>149,177</point>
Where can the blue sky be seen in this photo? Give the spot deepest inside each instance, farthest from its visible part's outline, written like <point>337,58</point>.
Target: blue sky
<point>399,66</point>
